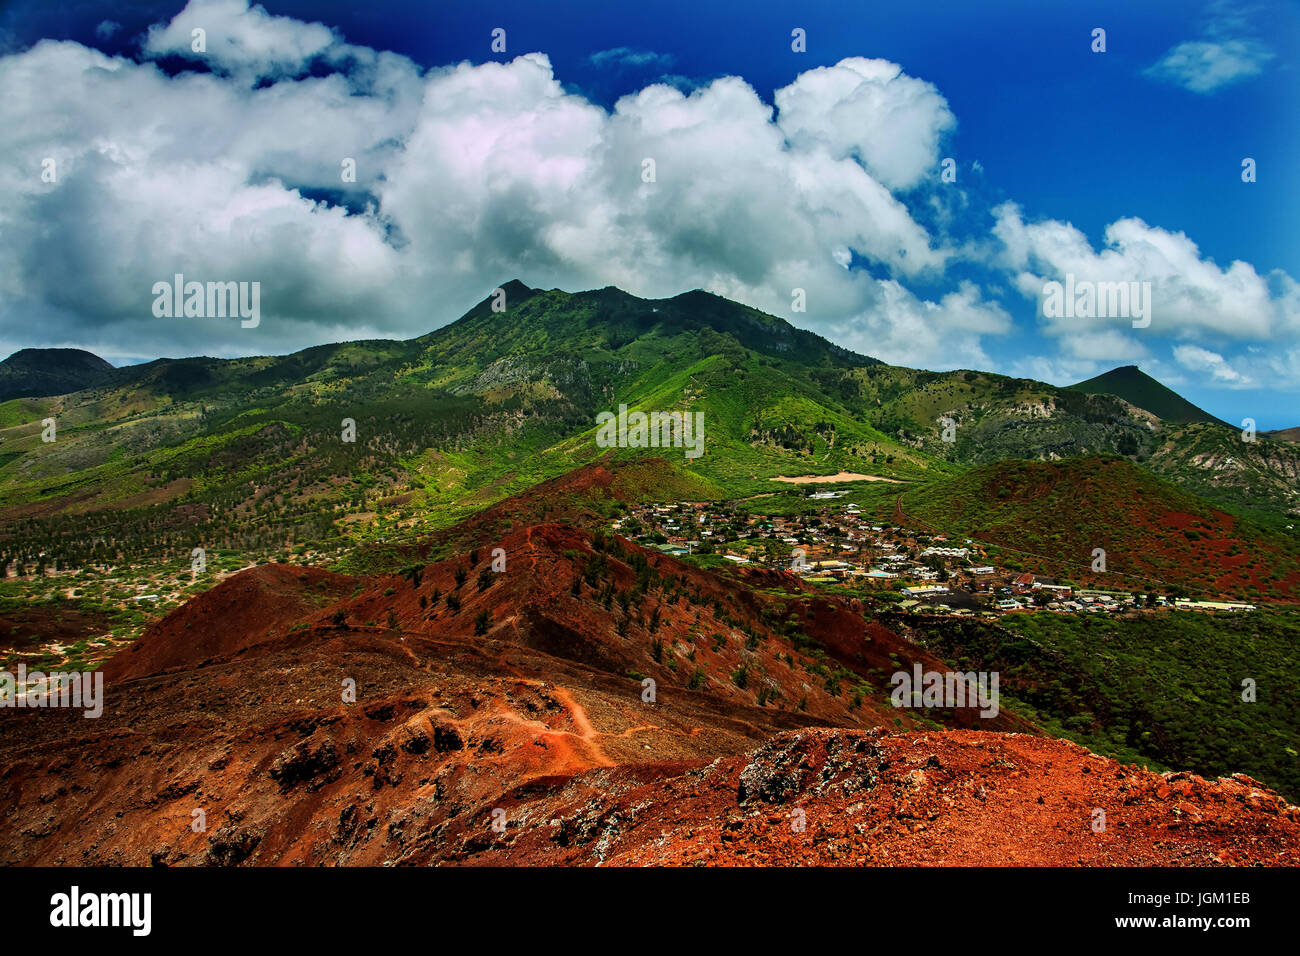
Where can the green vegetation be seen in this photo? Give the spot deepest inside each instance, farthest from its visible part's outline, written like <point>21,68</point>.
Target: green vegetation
<point>1049,517</point>
<point>247,455</point>
<point>1160,689</point>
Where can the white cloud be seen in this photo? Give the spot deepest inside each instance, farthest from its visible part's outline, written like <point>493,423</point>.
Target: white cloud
<point>1189,294</point>
<point>1055,370</point>
<point>1193,301</point>
<point>468,175</point>
<point>194,175</point>
<point>242,40</point>
<point>872,111</point>
<point>1225,54</point>
<point>1197,359</point>
<point>623,57</point>
<point>1204,66</point>
<point>903,329</point>
<point>1104,345</point>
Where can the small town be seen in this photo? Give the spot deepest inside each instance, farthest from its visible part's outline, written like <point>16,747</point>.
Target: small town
<point>834,543</point>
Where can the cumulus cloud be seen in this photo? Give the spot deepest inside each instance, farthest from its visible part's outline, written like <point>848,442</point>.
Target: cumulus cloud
<point>465,175</point>
<point>1189,294</point>
<point>905,330</point>
<point>1197,359</point>
<point>869,110</point>
<point>154,176</point>
<point>241,39</point>
<point>1055,369</point>
<point>1255,319</point>
<point>1104,345</point>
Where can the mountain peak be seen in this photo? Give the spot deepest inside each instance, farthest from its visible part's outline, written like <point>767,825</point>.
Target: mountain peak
<point>37,373</point>
<point>52,358</point>
<point>516,286</point>
<point>1142,391</point>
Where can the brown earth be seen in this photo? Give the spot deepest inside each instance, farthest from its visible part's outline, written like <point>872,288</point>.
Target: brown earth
<point>20,627</point>
<point>524,707</point>
<point>244,610</point>
<point>855,798</point>
<point>839,476</point>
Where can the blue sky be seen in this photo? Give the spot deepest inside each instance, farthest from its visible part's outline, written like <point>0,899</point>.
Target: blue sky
<point>1054,146</point>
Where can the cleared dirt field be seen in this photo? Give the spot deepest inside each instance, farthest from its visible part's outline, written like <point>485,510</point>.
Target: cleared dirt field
<point>827,479</point>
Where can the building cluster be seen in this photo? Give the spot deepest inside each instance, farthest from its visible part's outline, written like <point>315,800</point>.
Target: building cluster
<point>834,543</point>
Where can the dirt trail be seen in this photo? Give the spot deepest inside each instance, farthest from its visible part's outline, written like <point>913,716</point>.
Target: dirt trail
<point>586,732</point>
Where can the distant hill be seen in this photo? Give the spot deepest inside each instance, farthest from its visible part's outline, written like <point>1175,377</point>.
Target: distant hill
<point>1141,390</point>
<point>494,403</point>
<point>1055,513</point>
<point>37,373</point>
<point>1285,434</point>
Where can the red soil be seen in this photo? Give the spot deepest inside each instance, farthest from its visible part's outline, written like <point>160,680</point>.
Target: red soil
<point>244,610</point>
<point>233,705</point>
<point>26,628</point>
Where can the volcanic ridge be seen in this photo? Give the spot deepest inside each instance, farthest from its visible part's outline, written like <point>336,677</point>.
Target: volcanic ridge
<point>563,696</point>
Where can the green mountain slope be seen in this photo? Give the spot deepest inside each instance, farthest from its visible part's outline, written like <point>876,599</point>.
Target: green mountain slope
<point>1260,478</point>
<point>1151,687</point>
<point>1050,516</point>
<point>996,418</point>
<point>249,455</point>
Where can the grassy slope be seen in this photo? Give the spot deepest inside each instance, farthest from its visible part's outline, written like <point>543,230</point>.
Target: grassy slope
<point>446,424</point>
<point>460,418</point>
<point>1152,532</point>
<point>1162,689</point>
